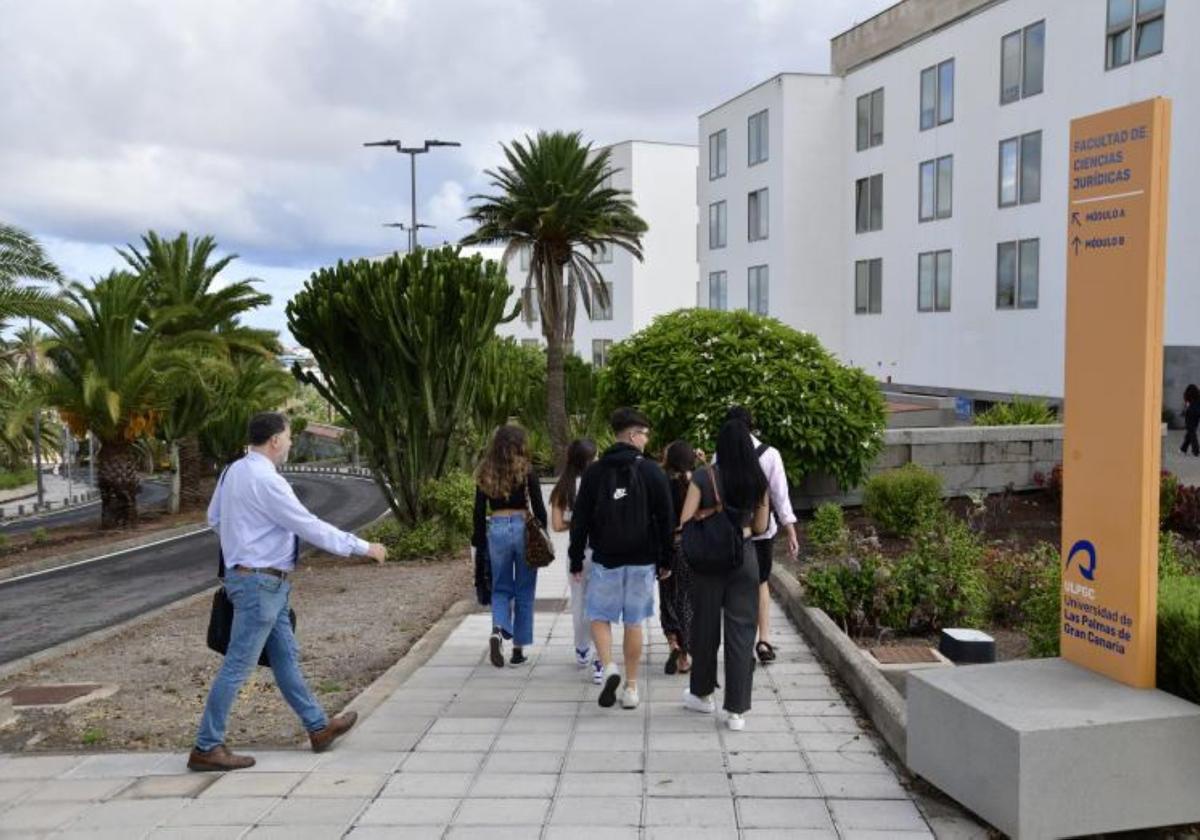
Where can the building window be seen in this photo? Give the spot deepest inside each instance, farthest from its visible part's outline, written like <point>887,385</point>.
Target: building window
<point>1022,56</point>
<point>757,299</point>
<point>717,155</point>
<point>529,307</point>
<point>933,281</point>
<point>1017,274</point>
<point>757,139</point>
<point>936,189</point>
<point>868,204</point>
<point>868,287</point>
<point>937,94</point>
<point>604,253</point>
<point>602,305</point>
<point>1020,176</point>
<point>718,291</point>
<point>1135,30</point>
<point>716,225</point>
<point>600,348</point>
<point>758,212</point>
<point>870,119</point>
<point>530,342</point>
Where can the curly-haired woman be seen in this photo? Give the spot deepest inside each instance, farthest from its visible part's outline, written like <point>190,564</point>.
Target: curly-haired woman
<point>506,489</point>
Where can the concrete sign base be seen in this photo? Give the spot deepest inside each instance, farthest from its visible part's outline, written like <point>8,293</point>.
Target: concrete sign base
<point>1045,748</point>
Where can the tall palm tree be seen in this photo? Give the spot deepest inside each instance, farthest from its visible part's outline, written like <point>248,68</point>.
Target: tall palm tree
<point>110,375</point>
<point>253,385</point>
<point>554,201</point>
<point>189,311</point>
<point>22,258</point>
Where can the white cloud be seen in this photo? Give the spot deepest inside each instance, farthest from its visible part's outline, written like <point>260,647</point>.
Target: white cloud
<point>246,120</point>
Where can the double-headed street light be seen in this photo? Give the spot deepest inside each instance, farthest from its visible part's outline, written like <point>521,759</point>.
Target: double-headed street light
<point>410,230</point>
<point>412,152</point>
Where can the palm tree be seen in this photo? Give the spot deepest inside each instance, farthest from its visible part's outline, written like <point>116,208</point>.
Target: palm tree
<point>22,258</point>
<point>554,201</point>
<point>110,375</point>
<point>253,384</point>
<point>190,313</point>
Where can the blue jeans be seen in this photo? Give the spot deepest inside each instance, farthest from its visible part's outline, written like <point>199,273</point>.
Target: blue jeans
<point>260,619</point>
<point>514,583</point>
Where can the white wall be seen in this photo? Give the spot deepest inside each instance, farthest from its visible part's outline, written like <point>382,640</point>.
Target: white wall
<point>975,346</point>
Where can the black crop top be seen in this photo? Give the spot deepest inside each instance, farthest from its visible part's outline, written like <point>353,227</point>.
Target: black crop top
<point>531,490</point>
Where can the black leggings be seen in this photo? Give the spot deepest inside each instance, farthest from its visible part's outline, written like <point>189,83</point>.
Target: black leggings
<point>730,600</point>
<point>1189,440</point>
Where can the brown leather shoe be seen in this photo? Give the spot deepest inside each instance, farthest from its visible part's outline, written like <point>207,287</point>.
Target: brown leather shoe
<point>336,728</point>
<point>217,759</point>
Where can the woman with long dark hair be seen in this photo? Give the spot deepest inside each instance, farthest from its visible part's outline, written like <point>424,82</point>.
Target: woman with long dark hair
<point>506,490</point>
<point>675,592</point>
<point>739,483</point>
<point>580,454</point>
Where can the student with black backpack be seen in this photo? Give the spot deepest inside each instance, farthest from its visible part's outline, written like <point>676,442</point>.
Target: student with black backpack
<point>623,510</point>
<point>726,504</point>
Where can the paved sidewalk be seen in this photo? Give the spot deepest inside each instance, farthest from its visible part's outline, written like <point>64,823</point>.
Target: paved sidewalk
<point>465,750</point>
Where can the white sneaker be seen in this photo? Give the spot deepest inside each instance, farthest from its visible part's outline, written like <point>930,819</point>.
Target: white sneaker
<point>703,705</point>
<point>611,680</point>
<point>735,722</point>
<point>581,657</point>
<point>597,672</point>
<point>629,697</point>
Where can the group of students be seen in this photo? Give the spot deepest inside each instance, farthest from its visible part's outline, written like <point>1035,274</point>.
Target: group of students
<point>625,513</point>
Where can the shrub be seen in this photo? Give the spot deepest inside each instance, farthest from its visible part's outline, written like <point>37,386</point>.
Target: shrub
<point>853,591</point>
<point>452,499</point>
<point>1179,637</point>
<point>3,541</point>
<point>1168,493</point>
<point>1043,611</point>
<point>827,531</point>
<point>1176,557</point>
<point>1019,412</point>
<point>40,536</point>
<point>899,500</point>
<point>688,366</point>
<point>18,478</point>
<point>1014,580</point>
<point>939,582</point>
<point>1185,511</point>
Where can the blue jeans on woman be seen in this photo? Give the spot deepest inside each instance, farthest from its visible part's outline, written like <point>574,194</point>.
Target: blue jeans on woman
<point>260,619</point>
<point>514,583</point>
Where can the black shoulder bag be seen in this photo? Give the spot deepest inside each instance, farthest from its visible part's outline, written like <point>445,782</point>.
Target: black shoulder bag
<point>220,619</point>
<point>712,542</point>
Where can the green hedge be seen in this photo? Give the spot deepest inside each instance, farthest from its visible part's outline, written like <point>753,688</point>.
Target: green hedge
<point>1179,636</point>
<point>689,366</point>
<point>13,480</point>
<point>900,500</point>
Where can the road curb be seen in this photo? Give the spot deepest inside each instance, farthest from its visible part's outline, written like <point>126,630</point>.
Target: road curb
<point>373,696</point>
<point>882,703</point>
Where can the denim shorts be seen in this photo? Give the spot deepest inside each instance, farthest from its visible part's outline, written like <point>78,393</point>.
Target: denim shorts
<point>624,594</point>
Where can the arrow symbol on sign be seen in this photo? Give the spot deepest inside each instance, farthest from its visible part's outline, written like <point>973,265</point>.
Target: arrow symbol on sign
<point>1076,242</point>
<point>1075,218</point>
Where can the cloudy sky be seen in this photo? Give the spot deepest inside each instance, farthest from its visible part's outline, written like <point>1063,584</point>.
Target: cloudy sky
<point>245,119</point>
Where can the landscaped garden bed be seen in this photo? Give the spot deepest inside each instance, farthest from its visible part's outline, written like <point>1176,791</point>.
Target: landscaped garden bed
<point>909,563</point>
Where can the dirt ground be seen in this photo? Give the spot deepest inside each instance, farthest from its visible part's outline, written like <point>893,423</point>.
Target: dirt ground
<point>354,620</point>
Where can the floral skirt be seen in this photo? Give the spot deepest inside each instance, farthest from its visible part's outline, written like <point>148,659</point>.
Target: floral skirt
<point>675,601</point>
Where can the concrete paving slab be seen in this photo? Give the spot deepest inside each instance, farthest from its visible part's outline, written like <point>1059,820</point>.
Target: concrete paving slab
<point>776,785</point>
<point>78,790</point>
<point>235,811</point>
<point>429,785</point>
<point>607,812</point>
<point>784,813</point>
<point>409,811</point>
<point>303,812</point>
<point>188,786</point>
<point>504,811</point>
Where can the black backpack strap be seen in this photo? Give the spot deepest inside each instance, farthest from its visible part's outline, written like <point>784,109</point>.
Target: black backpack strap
<point>760,449</point>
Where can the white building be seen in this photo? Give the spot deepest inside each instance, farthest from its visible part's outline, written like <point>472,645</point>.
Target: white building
<point>662,180</point>
<point>916,197</point>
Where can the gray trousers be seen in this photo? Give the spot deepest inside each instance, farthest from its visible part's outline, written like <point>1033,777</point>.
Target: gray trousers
<point>732,601</point>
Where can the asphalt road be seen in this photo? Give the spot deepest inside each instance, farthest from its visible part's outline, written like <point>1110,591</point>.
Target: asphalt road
<point>48,609</point>
<point>152,494</point>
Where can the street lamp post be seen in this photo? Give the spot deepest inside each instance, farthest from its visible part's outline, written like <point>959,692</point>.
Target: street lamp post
<point>37,425</point>
<point>408,229</point>
<point>412,152</point>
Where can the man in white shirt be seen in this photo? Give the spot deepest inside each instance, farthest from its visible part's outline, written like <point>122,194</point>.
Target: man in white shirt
<point>781,506</point>
<point>258,518</point>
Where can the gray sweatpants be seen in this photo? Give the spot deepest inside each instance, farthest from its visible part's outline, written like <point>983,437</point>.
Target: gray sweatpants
<point>733,597</point>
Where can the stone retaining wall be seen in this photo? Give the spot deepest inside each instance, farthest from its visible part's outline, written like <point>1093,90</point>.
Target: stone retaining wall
<point>985,459</point>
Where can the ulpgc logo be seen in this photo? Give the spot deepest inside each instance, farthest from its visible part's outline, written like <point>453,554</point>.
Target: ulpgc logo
<point>1083,557</point>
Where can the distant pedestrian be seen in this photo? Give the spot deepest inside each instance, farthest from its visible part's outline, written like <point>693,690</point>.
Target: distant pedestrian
<point>623,511</point>
<point>506,492</point>
<point>764,544</point>
<point>580,454</point>
<point>675,591</point>
<point>736,482</point>
<point>1191,419</point>
<point>258,518</point>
